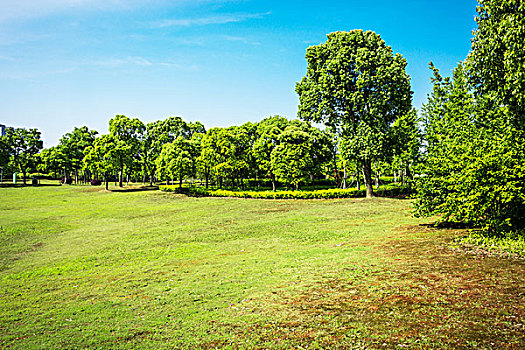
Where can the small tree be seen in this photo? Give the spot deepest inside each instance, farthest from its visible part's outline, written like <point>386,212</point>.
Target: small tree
<point>291,159</point>
<point>4,151</point>
<point>101,158</point>
<point>23,145</point>
<point>72,146</point>
<point>175,160</point>
<point>406,146</point>
<point>126,134</point>
<point>268,131</point>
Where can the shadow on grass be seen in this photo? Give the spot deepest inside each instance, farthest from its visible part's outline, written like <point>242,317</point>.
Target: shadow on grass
<point>27,185</point>
<point>134,189</point>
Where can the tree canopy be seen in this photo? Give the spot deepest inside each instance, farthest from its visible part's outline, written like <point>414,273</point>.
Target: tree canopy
<point>358,87</point>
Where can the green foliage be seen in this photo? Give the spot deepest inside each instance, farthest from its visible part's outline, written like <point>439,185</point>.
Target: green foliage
<point>101,158</point>
<point>505,244</point>
<point>160,133</point>
<point>291,159</point>
<point>176,159</point>
<point>407,148</point>
<point>126,134</point>
<point>474,171</point>
<point>496,62</point>
<point>226,153</point>
<point>389,191</point>
<point>268,130</point>
<point>4,151</point>
<point>23,146</point>
<point>70,151</point>
<point>358,87</point>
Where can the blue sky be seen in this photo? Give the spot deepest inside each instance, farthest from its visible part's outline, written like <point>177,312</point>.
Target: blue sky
<point>67,63</point>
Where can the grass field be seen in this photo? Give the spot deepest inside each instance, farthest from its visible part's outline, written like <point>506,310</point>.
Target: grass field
<point>85,268</point>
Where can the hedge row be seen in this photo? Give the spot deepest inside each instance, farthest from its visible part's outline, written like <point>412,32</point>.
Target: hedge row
<point>316,194</point>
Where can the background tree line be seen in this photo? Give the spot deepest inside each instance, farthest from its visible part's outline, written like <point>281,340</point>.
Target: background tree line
<point>273,151</point>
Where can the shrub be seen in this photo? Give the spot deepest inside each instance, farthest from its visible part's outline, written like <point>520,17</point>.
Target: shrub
<point>96,182</point>
<point>392,191</point>
<point>66,180</point>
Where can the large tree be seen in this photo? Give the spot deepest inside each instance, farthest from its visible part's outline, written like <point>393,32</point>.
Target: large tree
<point>357,87</point>
<point>161,132</point>
<point>52,159</point>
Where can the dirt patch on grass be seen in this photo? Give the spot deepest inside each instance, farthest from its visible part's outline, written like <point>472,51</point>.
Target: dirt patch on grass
<point>424,296</point>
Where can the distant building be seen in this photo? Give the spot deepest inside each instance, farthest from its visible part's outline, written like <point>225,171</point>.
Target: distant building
<point>2,129</point>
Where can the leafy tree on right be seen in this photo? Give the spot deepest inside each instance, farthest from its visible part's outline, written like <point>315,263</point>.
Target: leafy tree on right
<point>474,169</point>
<point>358,88</point>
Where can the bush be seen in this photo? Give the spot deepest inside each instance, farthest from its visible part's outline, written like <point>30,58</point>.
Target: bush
<point>96,182</point>
<point>66,180</point>
<point>41,176</point>
<point>317,194</point>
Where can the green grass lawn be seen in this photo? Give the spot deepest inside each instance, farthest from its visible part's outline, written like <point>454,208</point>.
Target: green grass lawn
<point>85,268</point>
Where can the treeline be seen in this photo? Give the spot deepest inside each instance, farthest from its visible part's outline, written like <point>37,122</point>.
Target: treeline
<point>273,151</point>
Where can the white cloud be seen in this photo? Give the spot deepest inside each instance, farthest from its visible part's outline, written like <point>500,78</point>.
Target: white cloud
<point>27,9</point>
<point>241,40</point>
<point>139,61</point>
<point>132,60</point>
<point>202,21</point>
<point>24,9</point>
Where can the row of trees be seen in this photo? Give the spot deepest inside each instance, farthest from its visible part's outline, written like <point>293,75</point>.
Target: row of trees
<point>275,149</point>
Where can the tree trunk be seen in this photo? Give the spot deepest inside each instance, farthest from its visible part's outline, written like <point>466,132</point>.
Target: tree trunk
<point>24,175</point>
<point>367,172</point>
<point>357,177</point>
<point>344,177</point>
<point>180,182</point>
<point>409,174</point>
<point>206,175</point>
<point>273,182</point>
<point>120,174</point>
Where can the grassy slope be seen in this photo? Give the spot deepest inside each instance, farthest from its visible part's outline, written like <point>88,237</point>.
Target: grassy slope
<point>87,269</point>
